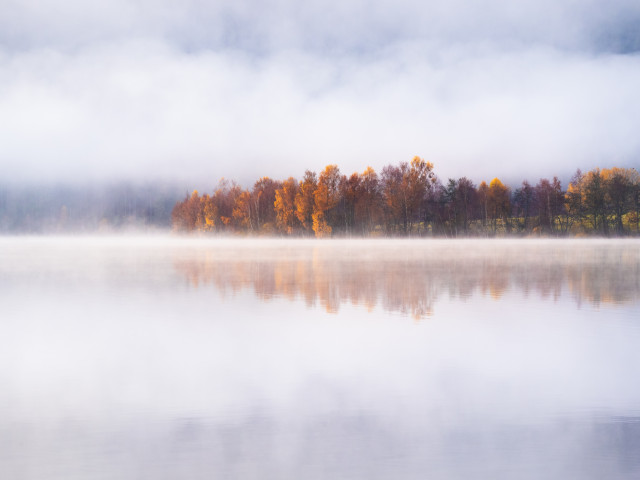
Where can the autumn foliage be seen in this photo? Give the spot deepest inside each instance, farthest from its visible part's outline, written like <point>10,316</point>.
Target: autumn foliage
<point>407,199</point>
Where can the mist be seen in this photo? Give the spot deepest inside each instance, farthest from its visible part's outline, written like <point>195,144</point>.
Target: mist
<point>145,91</point>
<point>116,360</point>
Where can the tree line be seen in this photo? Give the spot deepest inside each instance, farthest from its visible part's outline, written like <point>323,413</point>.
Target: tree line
<point>408,199</point>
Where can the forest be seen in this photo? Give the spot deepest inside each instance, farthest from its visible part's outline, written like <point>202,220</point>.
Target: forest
<point>87,208</point>
<point>409,200</point>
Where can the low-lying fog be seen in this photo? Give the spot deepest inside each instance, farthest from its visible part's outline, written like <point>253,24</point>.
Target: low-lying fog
<point>190,358</point>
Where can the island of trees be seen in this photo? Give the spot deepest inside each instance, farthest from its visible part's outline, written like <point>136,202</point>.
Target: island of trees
<point>408,199</point>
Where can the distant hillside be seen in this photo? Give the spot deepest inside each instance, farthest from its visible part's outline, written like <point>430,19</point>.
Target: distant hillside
<point>93,208</point>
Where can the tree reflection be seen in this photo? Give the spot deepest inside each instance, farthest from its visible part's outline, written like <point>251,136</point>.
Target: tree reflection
<point>409,278</point>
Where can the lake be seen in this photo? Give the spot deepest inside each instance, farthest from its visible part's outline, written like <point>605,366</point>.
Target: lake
<point>193,358</point>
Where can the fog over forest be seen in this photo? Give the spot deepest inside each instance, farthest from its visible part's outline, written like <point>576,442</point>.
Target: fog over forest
<point>103,207</point>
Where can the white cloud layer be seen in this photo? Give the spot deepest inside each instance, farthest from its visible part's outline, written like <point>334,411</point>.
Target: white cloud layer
<point>244,89</point>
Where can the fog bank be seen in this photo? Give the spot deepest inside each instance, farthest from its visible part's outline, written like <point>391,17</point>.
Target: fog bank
<point>192,91</point>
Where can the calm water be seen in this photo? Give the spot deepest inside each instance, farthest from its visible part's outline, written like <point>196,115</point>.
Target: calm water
<point>152,358</point>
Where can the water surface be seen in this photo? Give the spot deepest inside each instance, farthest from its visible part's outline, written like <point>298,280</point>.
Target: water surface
<point>129,358</point>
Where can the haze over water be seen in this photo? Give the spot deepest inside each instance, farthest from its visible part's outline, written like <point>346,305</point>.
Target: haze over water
<point>127,358</point>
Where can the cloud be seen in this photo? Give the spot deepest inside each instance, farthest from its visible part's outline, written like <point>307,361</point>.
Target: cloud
<point>320,24</point>
<point>244,89</point>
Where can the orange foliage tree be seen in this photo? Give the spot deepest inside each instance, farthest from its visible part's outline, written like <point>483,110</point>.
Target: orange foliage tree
<point>285,206</point>
<point>326,199</point>
<point>305,200</point>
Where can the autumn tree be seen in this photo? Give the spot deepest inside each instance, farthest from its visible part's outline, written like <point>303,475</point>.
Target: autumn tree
<point>350,192</point>
<point>621,186</point>
<point>326,199</point>
<point>549,200</point>
<point>450,206</point>
<point>285,206</point>
<point>573,200</point>
<point>369,203</point>
<point>418,180</point>
<point>242,214</point>
<point>458,200</point>
<point>178,222</point>
<point>601,197</point>
<point>263,196</point>
<point>438,213</point>
<point>305,200</point>
<point>393,196</point>
<point>593,199</point>
<point>483,202</point>
<point>209,213</point>
<point>404,189</point>
<point>186,215</point>
<point>225,200</point>
<point>498,203</point>
<point>523,204</point>
<point>466,198</point>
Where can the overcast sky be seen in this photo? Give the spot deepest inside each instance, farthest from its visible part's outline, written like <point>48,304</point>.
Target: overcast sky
<point>196,90</point>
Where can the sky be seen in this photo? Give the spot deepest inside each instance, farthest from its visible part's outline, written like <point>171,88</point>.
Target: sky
<point>195,90</point>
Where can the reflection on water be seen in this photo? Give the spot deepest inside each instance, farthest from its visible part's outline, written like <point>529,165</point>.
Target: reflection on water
<point>410,277</point>
<point>191,359</point>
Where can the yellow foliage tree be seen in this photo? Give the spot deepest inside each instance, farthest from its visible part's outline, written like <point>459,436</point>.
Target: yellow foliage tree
<point>305,200</point>
<point>326,198</point>
<point>602,196</point>
<point>368,206</point>
<point>498,203</point>
<point>209,213</point>
<point>242,211</point>
<point>285,205</point>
